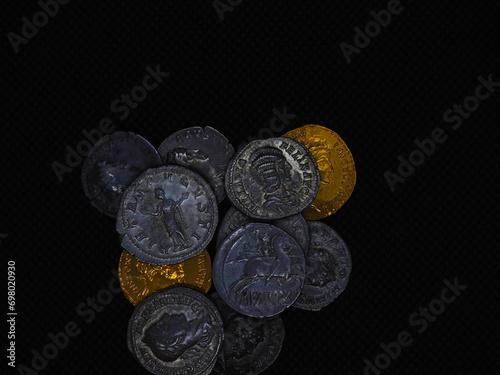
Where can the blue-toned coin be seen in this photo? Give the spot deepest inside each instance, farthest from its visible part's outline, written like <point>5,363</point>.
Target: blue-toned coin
<point>112,164</point>
<point>259,270</point>
<point>328,267</point>
<point>167,215</point>
<point>272,178</point>
<point>203,150</point>
<point>251,345</point>
<point>295,225</point>
<point>177,331</point>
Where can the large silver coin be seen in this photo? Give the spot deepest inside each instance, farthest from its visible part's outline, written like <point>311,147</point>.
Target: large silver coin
<point>250,345</point>
<point>167,215</point>
<point>177,331</point>
<point>328,267</point>
<point>259,270</point>
<point>112,164</point>
<point>295,225</point>
<point>272,179</point>
<point>204,150</point>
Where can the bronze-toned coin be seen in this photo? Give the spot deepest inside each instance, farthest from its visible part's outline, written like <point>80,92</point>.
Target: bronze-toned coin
<point>139,280</point>
<point>336,168</point>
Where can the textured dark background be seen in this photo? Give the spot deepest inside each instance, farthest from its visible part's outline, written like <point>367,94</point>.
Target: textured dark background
<point>265,54</point>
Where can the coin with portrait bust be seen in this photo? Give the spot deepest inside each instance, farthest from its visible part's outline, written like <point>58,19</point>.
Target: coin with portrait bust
<point>176,331</point>
<point>203,150</point>
<point>336,168</point>
<point>112,164</point>
<point>167,215</point>
<point>272,178</point>
<point>328,267</point>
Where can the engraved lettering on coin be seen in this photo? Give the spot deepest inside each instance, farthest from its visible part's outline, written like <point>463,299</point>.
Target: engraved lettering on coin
<point>328,267</point>
<point>336,167</point>
<point>272,179</point>
<point>295,226</point>
<point>259,270</point>
<point>167,215</point>
<point>250,344</point>
<point>203,150</point>
<point>139,280</point>
<point>176,331</point>
<point>112,164</point>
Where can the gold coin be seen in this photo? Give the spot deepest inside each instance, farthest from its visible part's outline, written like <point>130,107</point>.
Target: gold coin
<point>336,168</point>
<point>138,279</point>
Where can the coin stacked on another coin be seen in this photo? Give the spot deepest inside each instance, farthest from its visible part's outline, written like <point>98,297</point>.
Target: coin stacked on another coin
<point>268,256</point>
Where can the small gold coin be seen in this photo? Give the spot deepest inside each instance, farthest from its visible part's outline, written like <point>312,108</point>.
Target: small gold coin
<point>336,168</point>
<point>139,280</point>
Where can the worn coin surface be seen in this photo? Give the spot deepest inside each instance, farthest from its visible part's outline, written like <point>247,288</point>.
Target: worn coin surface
<point>112,164</point>
<point>272,178</point>
<point>336,167</point>
<point>177,331</point>
<point>295,225</point>
<point>204,150</point>
<point>259,270</point>
<point>250,344</point>
<point>139,280</point>
<point>328,267</point>
<point>167,215</point>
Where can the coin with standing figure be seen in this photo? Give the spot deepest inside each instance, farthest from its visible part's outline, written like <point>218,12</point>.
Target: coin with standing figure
<point>167,215</point>
<point>112,164</point>
<point>176,331</point>
<point>272,178</point>
<point>203,150</point>
<point>328,267</point>
<point>259,270</point>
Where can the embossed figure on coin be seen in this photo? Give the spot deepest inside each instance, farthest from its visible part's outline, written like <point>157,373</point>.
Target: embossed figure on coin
<point>320,268</point>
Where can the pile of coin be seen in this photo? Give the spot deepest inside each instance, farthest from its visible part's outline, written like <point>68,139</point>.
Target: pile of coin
<point>270,254</point>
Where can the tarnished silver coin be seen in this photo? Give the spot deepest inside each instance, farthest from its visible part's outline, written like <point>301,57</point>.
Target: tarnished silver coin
<point>272,178</point>
<point>177,331</point>
<point>167,215</point>
<point>203,150</point>
<point>112,164</point>
<point>250,345</point>
<point>328,267</point>
<point>259,270</point>
<point>295,225</point>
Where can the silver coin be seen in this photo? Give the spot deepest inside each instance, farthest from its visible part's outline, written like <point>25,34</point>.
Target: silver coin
<point>112,164</point>
<point>177,331</point>
<point>251,345</point>
<point>203,150</point>
<point>167,215</point>
<point>328,267</point>
<point>259,270</point>
<point>295,225</point>
<point>272,179</point>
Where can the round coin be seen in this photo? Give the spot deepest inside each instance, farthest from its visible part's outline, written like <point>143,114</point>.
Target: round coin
<point>272,179</point>
<point>295,226</point>
<point>336,167</point>
<point>167,215</point>
<point>328,267</point>
<point>259,270</point>
<point>250,345</point>
<point>139,280</point>
<point>177,331</point>
<point>112,164</point>
<point>203,150</point>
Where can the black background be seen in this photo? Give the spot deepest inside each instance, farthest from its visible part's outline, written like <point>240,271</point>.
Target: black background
<point>437,225</point>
